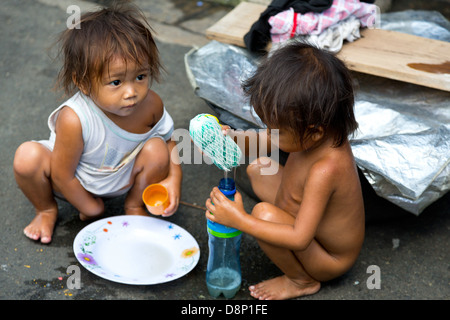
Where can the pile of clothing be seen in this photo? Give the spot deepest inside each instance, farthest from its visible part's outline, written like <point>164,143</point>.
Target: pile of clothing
<point>325,23</point>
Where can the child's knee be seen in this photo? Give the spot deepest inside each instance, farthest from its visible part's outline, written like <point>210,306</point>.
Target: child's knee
<point>263,211</point>
<point>28,158</point>
<point>156,154</point>
<point>269,212</point>
<point>156,148</point>
<point>254,168</point>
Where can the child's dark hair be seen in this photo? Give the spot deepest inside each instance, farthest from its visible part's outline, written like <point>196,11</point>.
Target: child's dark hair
<point>119,30</point>
<point>303,88</point>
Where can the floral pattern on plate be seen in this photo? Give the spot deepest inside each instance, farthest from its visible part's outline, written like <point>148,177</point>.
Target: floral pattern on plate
<point>136,250</point>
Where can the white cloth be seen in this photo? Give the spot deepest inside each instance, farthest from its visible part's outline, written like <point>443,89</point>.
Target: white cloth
<point>332,38</point>
<point>288,24</point>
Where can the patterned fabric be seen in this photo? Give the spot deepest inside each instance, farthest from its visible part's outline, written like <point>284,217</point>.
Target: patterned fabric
<point>288,23</point>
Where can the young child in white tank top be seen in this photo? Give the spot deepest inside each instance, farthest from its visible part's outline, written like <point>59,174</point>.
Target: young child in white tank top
<point>113,136</point>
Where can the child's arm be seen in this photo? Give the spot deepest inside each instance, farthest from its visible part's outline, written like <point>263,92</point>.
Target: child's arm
<point>65,158</point>
<point>152,112</point>
<point>173,180</point>
<point>317,192</point>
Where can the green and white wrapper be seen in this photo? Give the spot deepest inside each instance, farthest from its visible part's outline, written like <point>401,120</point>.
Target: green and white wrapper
<point>206,132</point>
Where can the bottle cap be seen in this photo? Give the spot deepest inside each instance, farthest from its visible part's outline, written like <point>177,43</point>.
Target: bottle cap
<point>227,186</point>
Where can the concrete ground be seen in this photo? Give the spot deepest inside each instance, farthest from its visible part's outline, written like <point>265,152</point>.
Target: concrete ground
<point>411,253</point>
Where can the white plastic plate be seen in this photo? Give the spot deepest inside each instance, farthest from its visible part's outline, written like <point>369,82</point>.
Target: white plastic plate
<point>136,250</point>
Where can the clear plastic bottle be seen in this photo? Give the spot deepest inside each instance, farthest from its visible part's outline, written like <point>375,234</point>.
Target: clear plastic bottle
<point>223,274</point>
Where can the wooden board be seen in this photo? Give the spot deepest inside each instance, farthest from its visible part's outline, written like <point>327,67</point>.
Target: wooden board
<point>232,27</point>
<point>383,53</point>
<point>401,57</point>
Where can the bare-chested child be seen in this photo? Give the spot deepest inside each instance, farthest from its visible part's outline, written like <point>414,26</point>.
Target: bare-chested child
<point>113,136</point>
<point>310,222</point>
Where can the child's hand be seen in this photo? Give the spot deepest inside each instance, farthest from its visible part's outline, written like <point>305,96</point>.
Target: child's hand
<point>224,211</point>
<point>225,129</point>
<point>174,197</point>
<point>174,200</point>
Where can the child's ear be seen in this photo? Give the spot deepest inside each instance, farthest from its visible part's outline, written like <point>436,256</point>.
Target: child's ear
<point>79,85</point>
<point>317,133</point>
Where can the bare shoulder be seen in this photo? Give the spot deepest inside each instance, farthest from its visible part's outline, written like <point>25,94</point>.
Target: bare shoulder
<point>67,120</point>
<point>335,166</point>
<point>154,106</point>
<point>69,136</point>
<point>154,98</point>
<point>326,167</point>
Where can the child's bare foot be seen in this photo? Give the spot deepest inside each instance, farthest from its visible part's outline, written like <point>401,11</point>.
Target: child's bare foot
<point>136,211</point>
<point>41,227</point>
<point>282,288</point>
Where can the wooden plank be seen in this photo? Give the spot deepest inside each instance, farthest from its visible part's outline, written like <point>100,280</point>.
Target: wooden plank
<point>233,26</point>
<point>400,56</point>
<point>383,53</point>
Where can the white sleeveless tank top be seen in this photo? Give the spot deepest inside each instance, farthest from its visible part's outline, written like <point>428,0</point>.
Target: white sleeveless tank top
<point>109,151</point>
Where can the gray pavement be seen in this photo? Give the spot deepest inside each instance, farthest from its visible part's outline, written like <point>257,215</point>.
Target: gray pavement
<point>411,252</point>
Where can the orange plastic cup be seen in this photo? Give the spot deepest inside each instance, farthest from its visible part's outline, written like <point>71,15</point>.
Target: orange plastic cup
<point>156,198</point>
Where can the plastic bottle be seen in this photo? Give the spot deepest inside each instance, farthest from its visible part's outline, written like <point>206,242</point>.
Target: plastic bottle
<point>223,274</point>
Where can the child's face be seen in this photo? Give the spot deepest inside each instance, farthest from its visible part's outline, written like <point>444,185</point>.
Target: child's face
<point>121,88</point>
<point>284,139</point>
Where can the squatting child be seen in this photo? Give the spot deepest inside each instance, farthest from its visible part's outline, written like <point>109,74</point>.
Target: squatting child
<point>310,222</point>
<point>112,137</point>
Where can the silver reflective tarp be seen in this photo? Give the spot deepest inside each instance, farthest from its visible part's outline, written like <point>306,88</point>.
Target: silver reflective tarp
<point>404,154</point>
<point>403,142</point>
